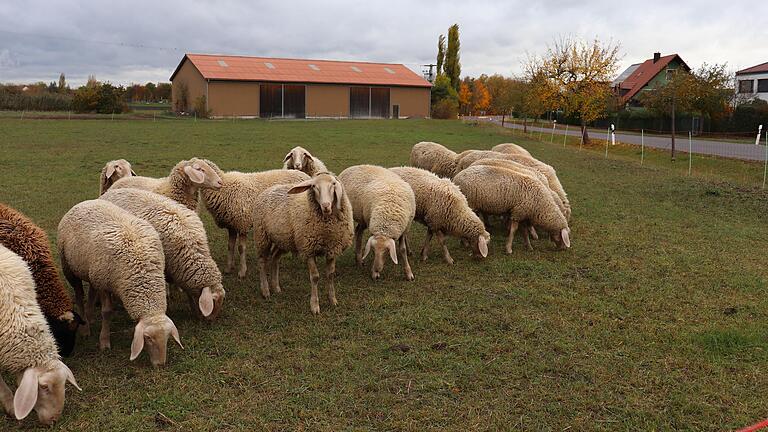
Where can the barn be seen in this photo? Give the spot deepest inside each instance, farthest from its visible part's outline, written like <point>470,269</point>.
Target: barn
<point>295,88</point>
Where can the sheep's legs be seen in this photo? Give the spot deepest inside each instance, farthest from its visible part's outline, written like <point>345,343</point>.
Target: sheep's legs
<point>242,241</point>
<point>106,315</point>
<point>6,397</point>
<point>314,278</point>
<point>446,254</point>
<point>512,228</point>
<point>404,257</point>
<point>359,229</point>
<point>330,274</point>
<point>534,234</point>
<point>263,276</point>
<point>527,237</point>
<point>425,248</point>
<point>231,250</point>
<point>274,272</point>
<point>90,308</point>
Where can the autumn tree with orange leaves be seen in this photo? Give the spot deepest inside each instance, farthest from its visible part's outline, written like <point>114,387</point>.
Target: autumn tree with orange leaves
<point>481,97</point>
<point>465,98</point>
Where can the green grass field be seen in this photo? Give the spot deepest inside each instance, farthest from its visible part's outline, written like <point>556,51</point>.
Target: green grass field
<point>655,319</point>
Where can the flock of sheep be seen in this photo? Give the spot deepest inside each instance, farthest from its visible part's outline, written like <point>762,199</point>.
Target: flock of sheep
<point>143,232</point>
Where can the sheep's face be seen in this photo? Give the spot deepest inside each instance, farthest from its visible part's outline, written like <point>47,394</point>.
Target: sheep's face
<point>201,174</point>
<point>562,238</point>
<point>480,244</point>
<point>43,389</point>
<point>326,190</point>
<point>153,332</point>
<point>298,158</point>
<point>211,302</point>
<point>381,246</point>
<point>118,169</point>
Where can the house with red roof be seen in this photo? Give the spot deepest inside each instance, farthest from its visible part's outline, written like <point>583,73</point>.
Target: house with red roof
<point>650,74</point>
<point>265,87</point>
<point>753,82</point>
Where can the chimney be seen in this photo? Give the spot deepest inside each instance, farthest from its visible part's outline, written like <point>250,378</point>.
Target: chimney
<point>656,57</point>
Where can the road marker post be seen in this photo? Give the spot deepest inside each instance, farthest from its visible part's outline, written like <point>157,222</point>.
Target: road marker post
<point>690,153</point>
<point>554,125</point>
<point>759,131</point>
<point>642,145</point>
<point>566,134</point>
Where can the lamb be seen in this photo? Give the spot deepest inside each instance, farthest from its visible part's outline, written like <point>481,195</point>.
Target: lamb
<point>443,209</point>
<point>188,261</point>
<point>27,347</point>
<point>511,148</point>
<point>385,204</point>
<point>501,191</point>
<point>470,156</point>
<point>19,234</point>
<point>112,172</point>
<point>232,205</point>
<point>314,224</point>
<point>434,157</point>
<point>301,159</point>
<point>181,185</point>
<point>119,255</point>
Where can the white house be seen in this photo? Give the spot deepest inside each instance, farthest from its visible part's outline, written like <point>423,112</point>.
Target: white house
<point>753,82</point>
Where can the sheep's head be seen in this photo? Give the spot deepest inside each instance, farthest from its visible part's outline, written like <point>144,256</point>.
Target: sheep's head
<point>64,329</point>
<point>114,171</point>
<point>480,244</point>
<point>153,332</point>
<point>298,158</point>
<point>562,238</point>
<point>201,174</point>
<point>381,246</point>
<point>326,190</point>
<point>42,389</point>
<point>211,302</point>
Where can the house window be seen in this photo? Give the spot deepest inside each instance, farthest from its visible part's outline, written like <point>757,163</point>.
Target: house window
<point>670,74</point>
<point>746,86</point>
<point>762,86</point>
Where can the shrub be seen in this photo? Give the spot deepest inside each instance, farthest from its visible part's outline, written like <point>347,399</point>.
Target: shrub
<point>14,99</point>
<point>445,109</point>
<point>200,107</point>
<point>103,98</point>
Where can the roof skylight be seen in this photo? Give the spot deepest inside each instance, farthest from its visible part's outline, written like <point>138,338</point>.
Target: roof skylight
<point>222,63</point>
<point>314,67</point>
<point>355,68</point>
<point>269,65</point>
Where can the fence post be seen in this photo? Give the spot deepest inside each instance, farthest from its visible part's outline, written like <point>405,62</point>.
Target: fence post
<point>581,138</point>
<point>642,145</point>
<point>22,114</point>
<point>765,168</point>
<point>552,137</point>
<point>565,136</point>
<point>690,153</point>
<point>606,145</point>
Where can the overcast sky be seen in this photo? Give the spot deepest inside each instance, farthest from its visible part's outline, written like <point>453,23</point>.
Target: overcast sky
<point>140,41</point>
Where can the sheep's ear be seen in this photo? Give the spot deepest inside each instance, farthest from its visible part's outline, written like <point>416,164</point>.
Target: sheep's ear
<point>175,334</point>
<point>103,183</point>
<point>26,395</point>
<point>482,245</point>
<point>71,377</point>
<point>110,170</point>
<point>206,302</point>
<point>301,187</point>
<point>133,173</point>
<point>288,156</point>
<point>308,158</point>
<point>392,248</point>
<point>138,340</point>
<point>566,234</point>
<point>368,247</point>
<point>195,175</point>
<point>339,192</point>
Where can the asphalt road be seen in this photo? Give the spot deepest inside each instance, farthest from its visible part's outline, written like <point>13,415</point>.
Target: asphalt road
<point>698,146</point>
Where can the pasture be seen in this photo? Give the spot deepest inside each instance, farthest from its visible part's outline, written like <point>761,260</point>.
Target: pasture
<point>655,319</point>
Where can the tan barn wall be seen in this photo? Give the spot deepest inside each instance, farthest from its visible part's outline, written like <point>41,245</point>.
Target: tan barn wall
<point>188,74</point>
<point>228,98</point>
<point>327,100</point>
<point>413,101</point>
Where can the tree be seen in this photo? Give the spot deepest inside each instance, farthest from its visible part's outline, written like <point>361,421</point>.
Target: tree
<point>579,72</point>
<point>465,97</point>
<point>713,95</point>
<point>445,100</point>
<point>678,94</point>
<point>62,83</point>
<point>482,98</point>
<point>182,97</point>
<point>452,65</point>
<point>440,54</point>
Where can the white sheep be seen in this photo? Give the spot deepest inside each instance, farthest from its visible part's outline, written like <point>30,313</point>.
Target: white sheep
<point>316,223</point>
<point>181,185</point>
<point>118,254</point>
<point>443,209</point>
<point>27,347</point>
<point>385,204</point>
<point>434,157</point>
<point>301,159</point>
<point>188,262</point>
<point>112,172</point>
<point>500,191</point>
<point>511,148</point>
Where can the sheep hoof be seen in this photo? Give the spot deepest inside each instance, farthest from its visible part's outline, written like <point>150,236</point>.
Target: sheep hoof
<point>315,308</point>
<point>410,277</point>
<point>424,258</point>
<point>449,261</point>
<point>509,251</point>
<point>241,274</point>
<point>277,289</point>
<point>375,275</point>
<point>333,301</point>
<point>105,345</point>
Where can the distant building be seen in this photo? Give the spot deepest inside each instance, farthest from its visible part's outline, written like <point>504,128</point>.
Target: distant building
<point>645,76</point>
<point>753,82</point>
<point>296,88</point>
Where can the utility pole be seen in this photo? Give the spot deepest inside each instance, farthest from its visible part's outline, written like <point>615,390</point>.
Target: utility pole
<point>429,75</point>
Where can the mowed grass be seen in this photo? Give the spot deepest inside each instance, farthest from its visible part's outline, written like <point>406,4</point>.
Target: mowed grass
<point>655,319</point>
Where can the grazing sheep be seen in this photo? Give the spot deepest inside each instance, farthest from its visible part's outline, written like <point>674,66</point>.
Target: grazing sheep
<point>232,205</point>
<point>468,157</point>
<point>118,254</point>
<point>181,185</point>
<point>434,157</point>
<point>443,209</point>
<point>500,191</point>
<point>511,148</point>
<point>301,159</point>
<point>385,204</point>
<point>112,172</point>
<point>19,234</point>
<point>27,347</point>
<point>318,223</point>
<point>188,261</point>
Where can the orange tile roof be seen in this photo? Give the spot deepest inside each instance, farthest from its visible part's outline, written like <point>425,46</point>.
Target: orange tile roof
<point>241,68</point>
<point>754,69</point>
<point>645,73</point>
